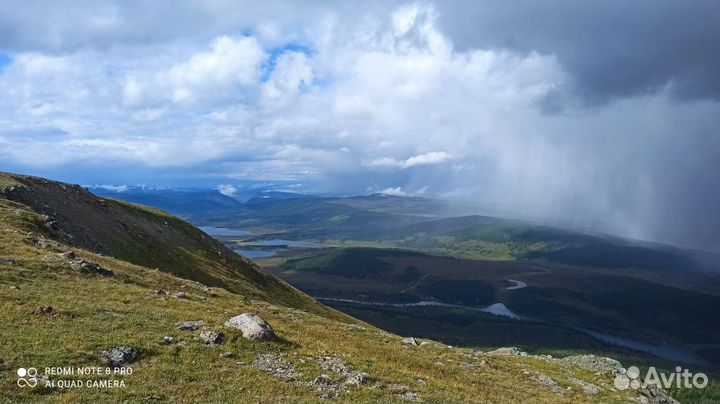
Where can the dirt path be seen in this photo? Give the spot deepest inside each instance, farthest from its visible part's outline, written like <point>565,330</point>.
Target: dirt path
<point>416,283</point>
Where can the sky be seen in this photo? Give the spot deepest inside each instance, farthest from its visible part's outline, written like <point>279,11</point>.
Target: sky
<point>598,114</point>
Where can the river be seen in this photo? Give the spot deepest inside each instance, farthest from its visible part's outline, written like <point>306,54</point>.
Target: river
<point>665,351</point>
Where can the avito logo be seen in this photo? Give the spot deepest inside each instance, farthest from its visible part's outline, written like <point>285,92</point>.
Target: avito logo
<point>682,378</point>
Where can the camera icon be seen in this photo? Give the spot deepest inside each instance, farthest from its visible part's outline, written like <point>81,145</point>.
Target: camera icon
<point>27,377</point>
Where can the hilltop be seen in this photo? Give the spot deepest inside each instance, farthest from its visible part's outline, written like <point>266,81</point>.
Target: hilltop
<point>84,278</point>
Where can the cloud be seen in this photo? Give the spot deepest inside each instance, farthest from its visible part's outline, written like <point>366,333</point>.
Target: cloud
<point>397,191</point>
<point>418,160</point>
<point>114,188</point>
<point>566,118</point>
<point>209,76</point>
<point>227,190</point>
<point>611,49</point>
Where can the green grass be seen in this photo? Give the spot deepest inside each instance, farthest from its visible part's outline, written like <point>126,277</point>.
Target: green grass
<point>95,313</point>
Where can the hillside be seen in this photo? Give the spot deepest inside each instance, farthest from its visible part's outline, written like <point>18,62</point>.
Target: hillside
<point>181,202</point>
<point>78,280</point>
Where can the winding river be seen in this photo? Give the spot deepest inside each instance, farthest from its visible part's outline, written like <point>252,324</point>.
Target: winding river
<point>665,351</point>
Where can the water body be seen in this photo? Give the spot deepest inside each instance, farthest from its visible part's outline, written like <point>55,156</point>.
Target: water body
<point>265,248</point>
<point>282,243</point>
<point>497,309</point>
<point>224,231</point>
<point>256,253</point>
<point>665,351</point>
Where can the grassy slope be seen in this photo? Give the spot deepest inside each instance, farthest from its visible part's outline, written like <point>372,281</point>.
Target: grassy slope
<point>95,313</point>
<point>148,237</point>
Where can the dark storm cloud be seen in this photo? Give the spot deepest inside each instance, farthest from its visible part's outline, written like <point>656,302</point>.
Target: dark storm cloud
<point>445,99</point>
<point>610,48</point>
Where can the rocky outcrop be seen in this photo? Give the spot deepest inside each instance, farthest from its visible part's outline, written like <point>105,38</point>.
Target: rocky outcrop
<point>507,351</point>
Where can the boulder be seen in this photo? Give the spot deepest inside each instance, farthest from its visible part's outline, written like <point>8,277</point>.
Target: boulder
<point>410,341</point>
<point>253,327</point>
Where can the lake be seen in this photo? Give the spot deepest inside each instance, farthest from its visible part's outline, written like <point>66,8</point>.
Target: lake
<point>224,231</point>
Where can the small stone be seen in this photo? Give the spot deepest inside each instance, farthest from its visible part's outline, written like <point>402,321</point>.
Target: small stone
<point>189,325</point>
<point>548,382</point>
<point>357,378</point>
<point>322,380</point>
<point>252,326</point>
<point>211,338</point>
<point>159,292</point>
<point>181,295</point>
<point>68,255</point>
<point>44,311</point>
<point>168,340</point>
<point>90,268</point>
<point>120,356</point>
<point>14,287</point>
<point>226,355</point>
<point>421,382</point>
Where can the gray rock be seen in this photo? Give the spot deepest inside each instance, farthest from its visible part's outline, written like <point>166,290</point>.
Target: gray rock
<point>594,363</point>
<point>168,340</point>
<point>8,262</point>
<point>404,392</point>
<point>410,341</point>
<point>226,355</point>
<point>253,327</point>
<point>211,337</point>
<point>189,325</point>
<point>181,295</point>
<point>120,356</point>
<point>90,267</point>
<point>657,395</point>
<point>356,378</point>
<point>506,351</point>
<point>548,382</point>
<point>275,365</point>
<point>321,381</point>
<point>587,388</point>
